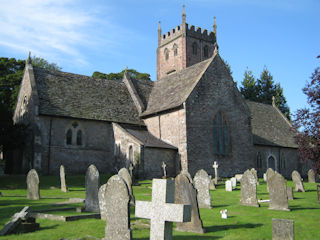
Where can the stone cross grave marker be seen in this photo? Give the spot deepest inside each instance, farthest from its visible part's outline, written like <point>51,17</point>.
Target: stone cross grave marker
<point>278,193</point>
<point>269,174</point>
<point>131,170</point>
<point>9,227</point>
<point>63,179</point>
<point>33,185</point>
<point>234,182</point>
<point>102,202</point>
<point>117,209</point>
<point>249,190</point>
<point>228,186</point>
<point>290,193</point>
<point>311,176</point>
<point>202,184</point>
<point>282,229</point>
<point>185,193</point>
<point>162,211</point>
<point>164,170</point>
<point>296,178</point>
<point>92,189</point>
<point>215,166</point>
<point>123,172</point>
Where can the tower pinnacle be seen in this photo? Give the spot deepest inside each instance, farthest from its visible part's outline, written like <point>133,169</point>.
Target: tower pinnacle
<point>214,26</point>
<point>183,14</point>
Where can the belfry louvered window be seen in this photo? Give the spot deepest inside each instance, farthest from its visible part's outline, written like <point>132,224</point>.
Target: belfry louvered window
<point>221,135</point>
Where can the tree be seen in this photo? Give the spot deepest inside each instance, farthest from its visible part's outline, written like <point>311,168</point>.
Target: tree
<point>119,76</point>
<point>42,63</point>
<point>263,89</point>
<point>307,120</point>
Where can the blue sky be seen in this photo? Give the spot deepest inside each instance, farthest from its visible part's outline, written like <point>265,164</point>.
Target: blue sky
<point>86,36</point>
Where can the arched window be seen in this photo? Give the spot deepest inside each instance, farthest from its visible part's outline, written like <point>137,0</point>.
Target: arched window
<point>194,48</point>
<point>79,137</point>
<point>131,154</point>
<point>69,137</point>
<point>221,135</point>
<point>206,51</point>
<point>175,49</point>
<point>272,163</point>
<point>259,160</point>
<point>166,54</point>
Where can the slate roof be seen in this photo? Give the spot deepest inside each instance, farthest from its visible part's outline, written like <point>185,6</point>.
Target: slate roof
<point>147,139</point>
<point>172,90</point>
<point>143,88</point>
<point>78,96</point>
<point>269,127</point>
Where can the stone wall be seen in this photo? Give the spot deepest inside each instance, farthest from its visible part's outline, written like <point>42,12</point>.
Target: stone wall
<point>153,158</point>
<point>216,92</point>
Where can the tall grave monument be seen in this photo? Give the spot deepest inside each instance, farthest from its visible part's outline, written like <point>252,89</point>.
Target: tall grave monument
<point>33,185</point>
<point>92,189</point>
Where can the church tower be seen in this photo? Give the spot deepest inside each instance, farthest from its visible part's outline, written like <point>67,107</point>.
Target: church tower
<point>183,46</point>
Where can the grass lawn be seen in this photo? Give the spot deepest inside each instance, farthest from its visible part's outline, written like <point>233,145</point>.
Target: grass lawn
<point>243,222</point>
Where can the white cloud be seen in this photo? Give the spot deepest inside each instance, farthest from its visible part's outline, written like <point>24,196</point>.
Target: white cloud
<point>57,30</point>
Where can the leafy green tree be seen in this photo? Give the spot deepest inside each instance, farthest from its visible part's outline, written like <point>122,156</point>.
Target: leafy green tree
<point>119,76</point>
<point>263,89</point>
<point>42,63</point>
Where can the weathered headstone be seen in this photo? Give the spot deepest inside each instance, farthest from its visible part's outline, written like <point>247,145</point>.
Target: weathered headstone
<point>188,175</point>
<point>311,176</point>
<point>234,182</point>
<point>202,184</point>
<point>228,186</point>
<point>215,166</point>
<point>269,174</point>
<point>186,194</point>
<point>33,185</point>
<point>123,172</point>
<point>254,172</point>
<point>278,193</point>
<point>164,170</point>
<point>212,186</point>
<point>63,179</point>
<point>282,229</point>
<point>296,178</point>
<point>238,177</point>
<point>249,190</point>
<point>92,188</point>
<point>265,177</point>
<point>117,209</point>
<point>102,202</point>
<point>162,211</point>
<point>290,193</point>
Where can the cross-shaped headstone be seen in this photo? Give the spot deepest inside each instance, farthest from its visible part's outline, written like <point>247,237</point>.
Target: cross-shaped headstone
<point>131,169</point>
<point>164,169</point>
<point>162,211</point>
<point>215,166</point>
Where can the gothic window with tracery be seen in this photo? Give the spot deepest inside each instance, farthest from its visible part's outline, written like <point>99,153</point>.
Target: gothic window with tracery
<point>175,50</point>
<point>221,135</point>
<point>74,134</point>
<point>206,51</point>
<point>194,48</point>
<point>166,54</point>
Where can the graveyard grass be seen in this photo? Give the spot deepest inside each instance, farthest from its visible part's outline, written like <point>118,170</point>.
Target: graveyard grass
<point>243,222</point>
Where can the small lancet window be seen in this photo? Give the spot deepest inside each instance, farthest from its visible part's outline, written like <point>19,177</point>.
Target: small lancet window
<point>206,51</point>
<point>79,137</point>
<point>194,48</point>
<point>221,135</point>
<point>166,54</point>
<point>175,50</point>
<point>69,137</point>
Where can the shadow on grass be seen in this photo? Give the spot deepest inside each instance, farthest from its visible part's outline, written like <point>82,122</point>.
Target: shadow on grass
<point>234,226</point>
<point>300,208</point>
<point>219,206</point>
<point>48,227</point>
<point>186,238</point>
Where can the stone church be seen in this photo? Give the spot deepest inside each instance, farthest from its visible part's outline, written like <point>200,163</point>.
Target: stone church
<point>191,116</point>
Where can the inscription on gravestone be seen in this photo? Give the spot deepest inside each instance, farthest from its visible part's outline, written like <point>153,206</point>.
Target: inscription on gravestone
<point>282,229</point>
<point>278,193</point>
<point>249,190</point>
<point>33,185</point>
<point>117,210</point>
<point>92,188</point>
<point>202,184</point>
<point>162,211</point>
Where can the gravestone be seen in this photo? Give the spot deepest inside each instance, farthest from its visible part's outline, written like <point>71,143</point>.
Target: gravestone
<point>123,172</point>
<point>92,188</point>
<point>278,193</point>
<point>296,178</point>
<point>186,194</point>
<point>238,177</point>
<point>117,209</point>
<point>249,190</point>
<point>254,172</point>
<point>212,186</point>
<point>33,185</point>
<point>63,179</point>
<point>102,201</point>
<point>215,166</point>
<point>311,176</point>
<point>228,186</point>
<point>162,211</point>
<point>164,170</point>
<point>290,193</point>
<point>265,177</point>
<point>282,229</point>
<point>269,174</point>
<point>202,184</point>
<point>234,182</point>
<point>188,175</point>
<point>318,193</point>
